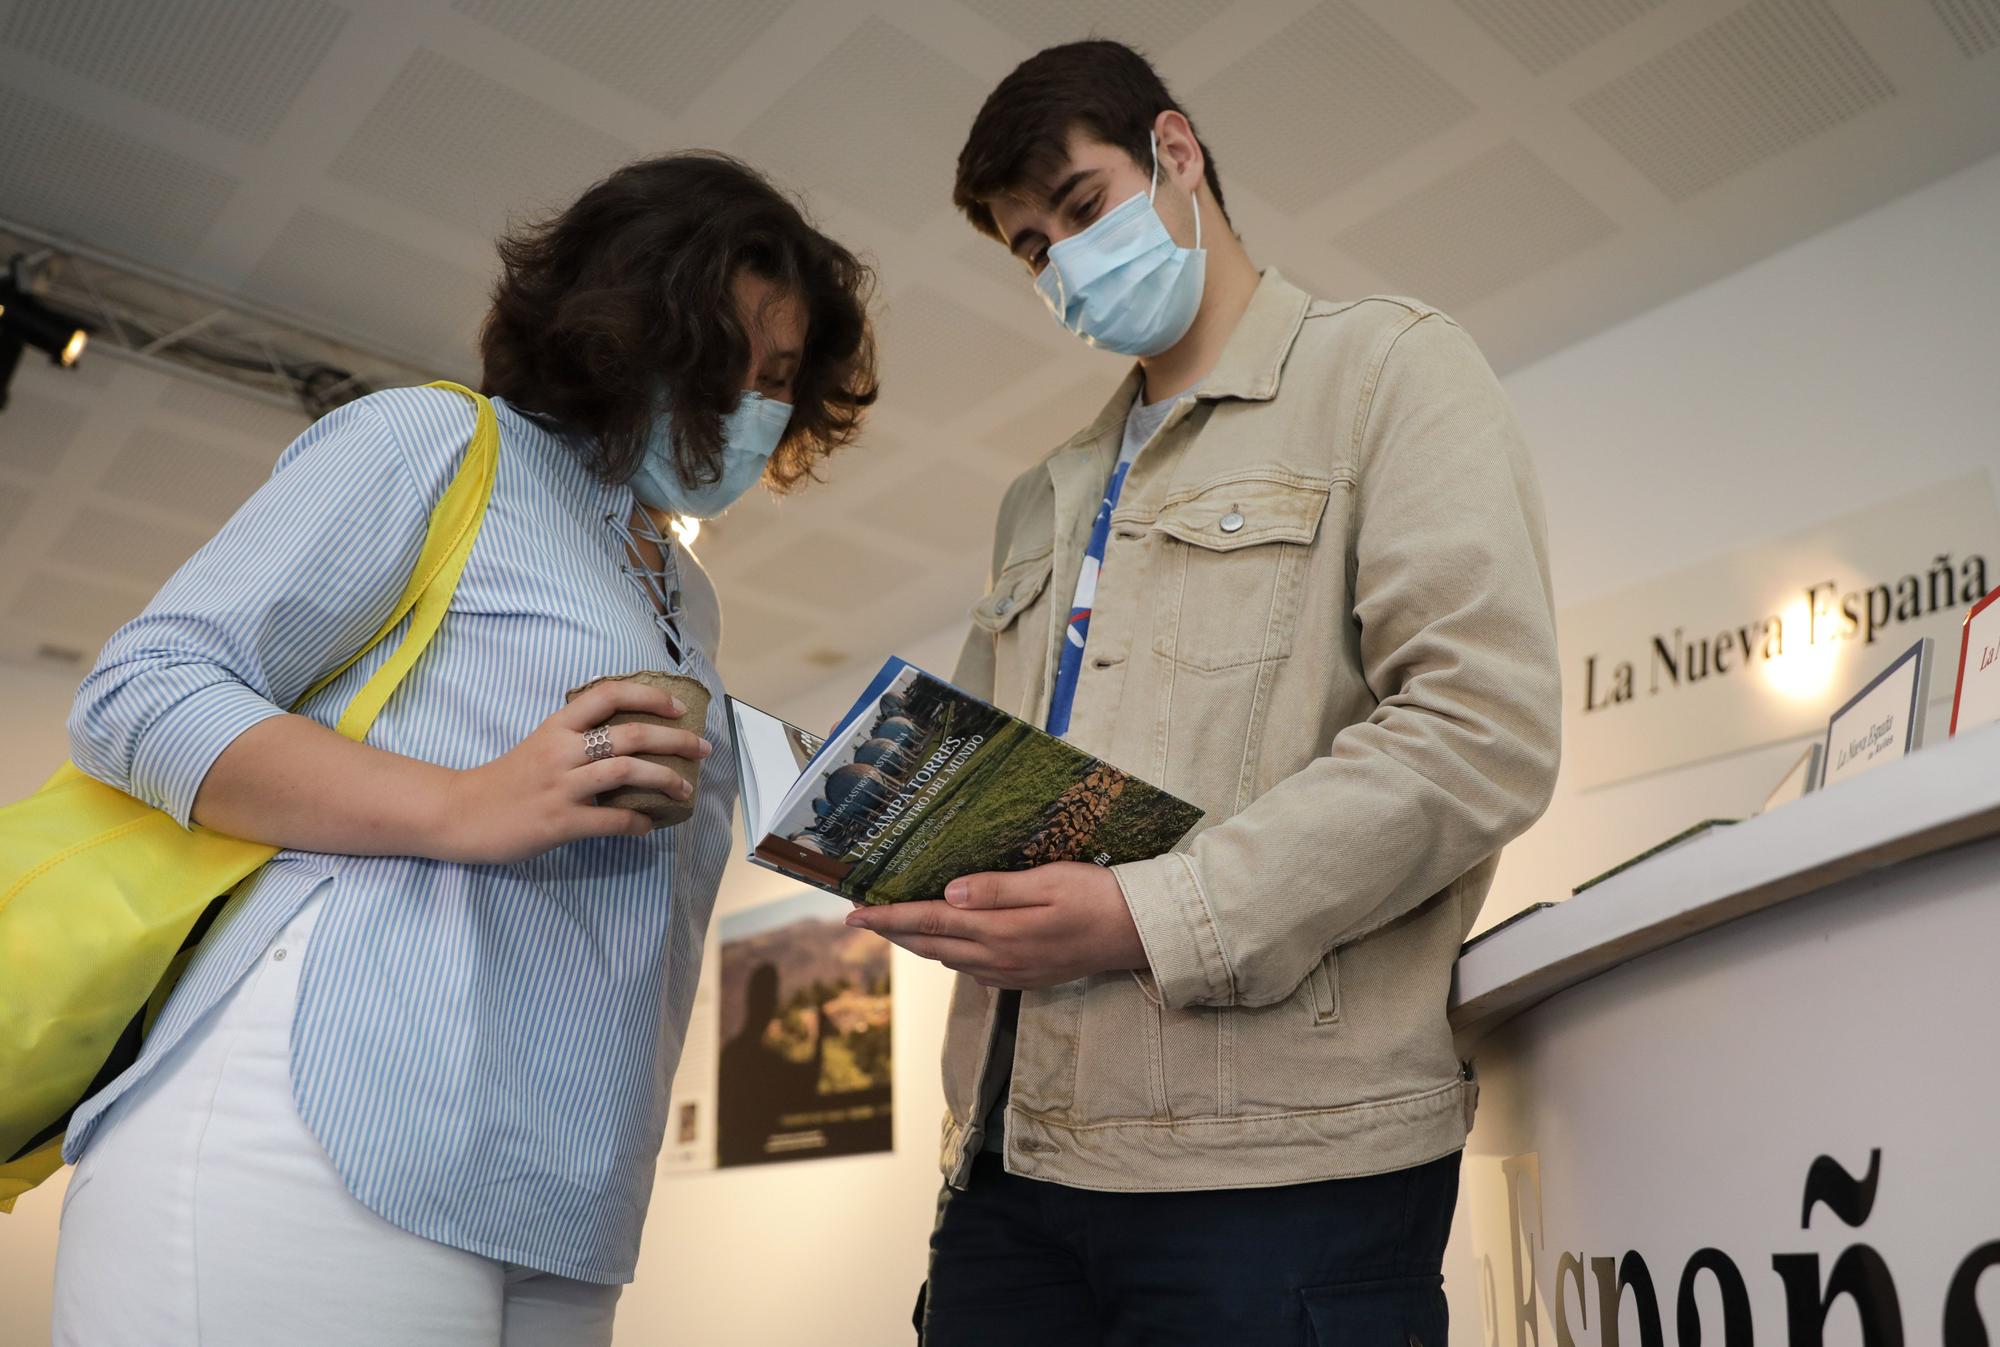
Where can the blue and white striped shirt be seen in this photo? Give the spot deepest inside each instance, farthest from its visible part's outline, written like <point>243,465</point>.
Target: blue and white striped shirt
<point>484,1051</point>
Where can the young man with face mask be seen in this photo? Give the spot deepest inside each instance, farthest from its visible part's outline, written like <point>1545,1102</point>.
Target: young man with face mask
<point>1294,572</point>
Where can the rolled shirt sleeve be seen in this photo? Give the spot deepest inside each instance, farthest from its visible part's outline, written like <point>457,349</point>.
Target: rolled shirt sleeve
<point>302,575</point>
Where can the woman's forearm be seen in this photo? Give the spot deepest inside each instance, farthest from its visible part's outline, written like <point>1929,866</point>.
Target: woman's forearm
<point>291,782</point>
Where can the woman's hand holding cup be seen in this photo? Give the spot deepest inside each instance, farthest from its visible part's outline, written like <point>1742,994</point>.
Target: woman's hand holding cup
<point>543,793</point>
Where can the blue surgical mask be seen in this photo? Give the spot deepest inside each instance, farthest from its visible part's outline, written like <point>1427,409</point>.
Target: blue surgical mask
<point>750,435</point>
<point>1124,284</point>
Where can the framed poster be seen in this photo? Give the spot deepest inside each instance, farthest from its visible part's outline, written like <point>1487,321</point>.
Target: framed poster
<point>1976,699</point>
<point>1882,722</point>
<point>804,1069</point>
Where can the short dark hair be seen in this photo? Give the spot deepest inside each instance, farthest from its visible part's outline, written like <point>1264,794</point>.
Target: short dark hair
<point>625,303</point>
<point>1103,88</point>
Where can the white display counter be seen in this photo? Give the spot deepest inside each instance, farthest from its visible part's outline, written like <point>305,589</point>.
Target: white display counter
<point>1749,1087</point>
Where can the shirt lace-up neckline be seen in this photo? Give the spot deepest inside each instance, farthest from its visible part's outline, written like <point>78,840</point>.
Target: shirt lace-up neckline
<point>661,586</point>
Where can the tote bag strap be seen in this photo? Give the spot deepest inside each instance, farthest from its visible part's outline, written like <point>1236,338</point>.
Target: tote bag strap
<point>454,524</point>
<point>453,527</point>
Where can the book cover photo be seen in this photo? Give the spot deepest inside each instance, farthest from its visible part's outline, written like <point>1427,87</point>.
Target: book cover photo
<point>923,783</point>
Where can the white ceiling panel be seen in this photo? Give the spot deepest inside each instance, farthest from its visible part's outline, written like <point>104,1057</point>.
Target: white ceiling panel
<point>938,356</point>
<point>990,258</point>
<point>115,190</point>
<point>1543,168</point>
<point>15,503</point>
<point>1497,220</point>
<point>1974,24</point>
<point>230,66</point>
<point>752,632</point>
<point>1150,25</point>
<point>205,479</point>
<point>891,153</point>
<point>456,145</point>
<point>1542,34</point>
<point>1770,76</point>
<point>936,502</point>
<point>36,430</point>
<point>268,429</point>
<point>831,571</point>
<point>759,519</point>
<point>374,286</point>
<point>876,455</point>
<point>72,610</point>
<point>661,55</point>
<point>116,542</point>
<point>1048,419</point>
<point>1324,100</point>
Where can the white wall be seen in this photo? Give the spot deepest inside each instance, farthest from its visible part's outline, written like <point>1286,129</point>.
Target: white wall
<point>1854,366</point>
<point>1855,363</point>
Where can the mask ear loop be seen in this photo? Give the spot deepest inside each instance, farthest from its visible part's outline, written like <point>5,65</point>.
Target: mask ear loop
<point>1153,192</point>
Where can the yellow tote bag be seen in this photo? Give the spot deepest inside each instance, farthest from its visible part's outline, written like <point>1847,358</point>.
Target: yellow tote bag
<point>103,897</point>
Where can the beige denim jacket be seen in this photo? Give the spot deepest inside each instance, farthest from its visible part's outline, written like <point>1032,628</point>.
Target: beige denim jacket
<point>1324,618</point>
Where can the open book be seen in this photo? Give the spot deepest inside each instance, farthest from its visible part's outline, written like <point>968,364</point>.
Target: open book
<point>921,784</point>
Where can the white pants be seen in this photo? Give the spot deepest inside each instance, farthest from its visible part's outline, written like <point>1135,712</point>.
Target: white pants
<point>205,1213</point>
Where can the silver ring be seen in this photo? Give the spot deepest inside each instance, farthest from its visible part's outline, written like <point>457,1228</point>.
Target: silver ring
<point>597,744</point>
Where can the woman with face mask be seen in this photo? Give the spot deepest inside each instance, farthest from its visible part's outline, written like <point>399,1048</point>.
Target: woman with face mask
<point>412,1085</point>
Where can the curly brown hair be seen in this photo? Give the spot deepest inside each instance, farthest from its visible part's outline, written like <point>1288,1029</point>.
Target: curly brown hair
<point>623,305</point>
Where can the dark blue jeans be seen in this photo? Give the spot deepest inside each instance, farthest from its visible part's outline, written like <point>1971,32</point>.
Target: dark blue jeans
<point>1346,1263</point>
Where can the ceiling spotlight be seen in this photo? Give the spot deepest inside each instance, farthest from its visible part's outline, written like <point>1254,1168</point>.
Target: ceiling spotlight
<point>26,321</point>
<point>25,318</point>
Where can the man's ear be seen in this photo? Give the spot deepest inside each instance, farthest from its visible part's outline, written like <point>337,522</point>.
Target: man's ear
<point>1181,158</point>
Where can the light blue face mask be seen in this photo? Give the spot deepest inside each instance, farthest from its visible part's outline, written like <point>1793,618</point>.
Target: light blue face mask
<point>1124,284</point>
<point>750,435</point>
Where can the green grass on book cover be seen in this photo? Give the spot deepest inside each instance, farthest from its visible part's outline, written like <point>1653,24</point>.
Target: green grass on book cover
<point>974,790</point>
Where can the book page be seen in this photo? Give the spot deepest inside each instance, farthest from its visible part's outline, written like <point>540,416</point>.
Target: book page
<point>770,755</point>
<point>794,811</point>
<point>893,674</point>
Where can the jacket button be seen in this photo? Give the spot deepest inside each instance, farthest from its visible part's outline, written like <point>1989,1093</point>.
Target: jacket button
<point>1002,606</point>
<point>1230,522</point>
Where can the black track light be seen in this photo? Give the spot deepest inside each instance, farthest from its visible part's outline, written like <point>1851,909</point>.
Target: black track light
<point>10,356</point>
<point>25,318</point>
<point>26,321</point>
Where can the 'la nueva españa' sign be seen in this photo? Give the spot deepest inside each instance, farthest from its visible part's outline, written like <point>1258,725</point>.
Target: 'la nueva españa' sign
<point>1759,646</point>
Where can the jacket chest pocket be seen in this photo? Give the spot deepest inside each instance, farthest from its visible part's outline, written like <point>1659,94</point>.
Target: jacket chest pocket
<point>1232,564</point>
<point>1019,646</point>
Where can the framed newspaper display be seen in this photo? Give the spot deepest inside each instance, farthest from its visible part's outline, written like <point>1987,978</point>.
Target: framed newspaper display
<point>1975,700</point>
<point>1881,723</point>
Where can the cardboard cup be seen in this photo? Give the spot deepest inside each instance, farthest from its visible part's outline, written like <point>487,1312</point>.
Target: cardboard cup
<point>663,809</point>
